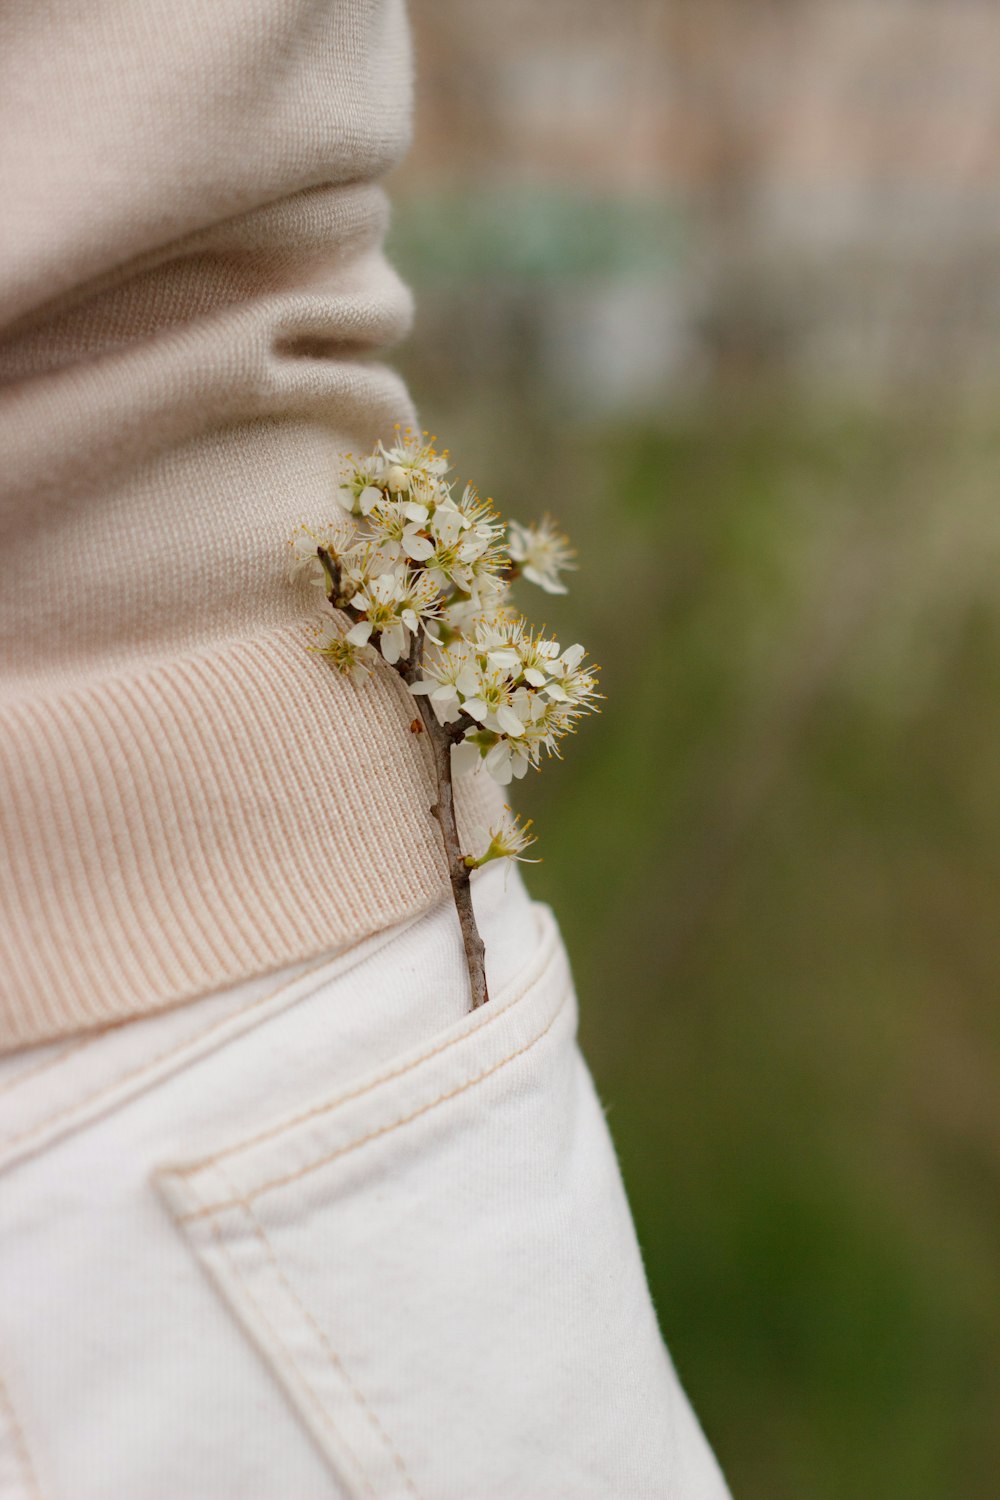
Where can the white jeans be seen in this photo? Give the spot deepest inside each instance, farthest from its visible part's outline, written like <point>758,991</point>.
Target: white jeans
<point>328,1234</point>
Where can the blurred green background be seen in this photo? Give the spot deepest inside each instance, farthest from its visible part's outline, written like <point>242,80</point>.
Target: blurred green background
<point>717,285</point>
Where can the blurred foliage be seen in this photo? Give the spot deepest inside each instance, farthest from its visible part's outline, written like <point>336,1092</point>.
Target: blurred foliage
<point>776,861</point>
<point>761,398</point>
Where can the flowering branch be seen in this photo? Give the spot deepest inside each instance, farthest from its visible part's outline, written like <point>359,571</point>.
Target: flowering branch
<point>423,579</point>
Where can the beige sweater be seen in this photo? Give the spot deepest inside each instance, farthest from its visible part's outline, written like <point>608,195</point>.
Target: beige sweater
<point>191,288</point>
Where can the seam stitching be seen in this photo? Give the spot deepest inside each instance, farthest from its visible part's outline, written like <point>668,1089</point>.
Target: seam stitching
<point>21,1444</point>
<point>9,1084</point>
<point>80,1104</point>
<point>332,1354</point>
<point>382,1130</point>
<point>329,1106</point>
<point>259,1308</point>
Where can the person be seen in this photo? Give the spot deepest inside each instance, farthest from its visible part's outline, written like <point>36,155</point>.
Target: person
<point>280,1215</point>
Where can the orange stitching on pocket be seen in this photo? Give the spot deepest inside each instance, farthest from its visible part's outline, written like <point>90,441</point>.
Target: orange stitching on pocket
<point>20,1443</point>
<point>256,1304</point>
<point>365,1088</point>
<point>145,1067</point>
<point>373,1135</point>
<point>332,1354</point>
<point>49,1062</point>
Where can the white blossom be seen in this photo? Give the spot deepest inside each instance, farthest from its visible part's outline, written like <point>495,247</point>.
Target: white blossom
<point>541,553</point>
<point>504,761</point>
<point>396,528</point>
<point>353,660</point>
<point>449,680</point>
<point>391,604</point>
<point>360,485</point>
<point>508,840</point>
<point>303,559</point>
<point>412,459</point>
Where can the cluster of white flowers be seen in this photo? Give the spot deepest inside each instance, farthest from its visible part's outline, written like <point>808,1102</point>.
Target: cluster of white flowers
<point>423,574</point>
<point>516,693</point>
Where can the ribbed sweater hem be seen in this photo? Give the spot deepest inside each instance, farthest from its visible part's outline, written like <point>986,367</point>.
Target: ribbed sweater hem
<point>175,829</point>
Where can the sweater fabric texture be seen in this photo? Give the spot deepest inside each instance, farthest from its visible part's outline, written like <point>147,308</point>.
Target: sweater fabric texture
<point>192,293</point>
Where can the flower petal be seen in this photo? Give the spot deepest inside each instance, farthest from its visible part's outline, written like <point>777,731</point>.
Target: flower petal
<point>392,642</point>
<point>420,548</point>
<point>464,757</point>
<point>509,722</point>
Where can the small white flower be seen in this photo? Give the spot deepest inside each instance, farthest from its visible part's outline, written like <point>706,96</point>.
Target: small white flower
<point>360,485</point>
<point>449,679</point>
<point>541,553</point>
<point>393,604</point>
<point>412,463</point>
<point>505,761</point>
<point>353,660</point>
<point>335,536</point>
<point>508,840</point>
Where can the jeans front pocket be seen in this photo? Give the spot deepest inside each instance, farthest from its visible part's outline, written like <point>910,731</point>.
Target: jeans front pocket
<point>438,1265</point>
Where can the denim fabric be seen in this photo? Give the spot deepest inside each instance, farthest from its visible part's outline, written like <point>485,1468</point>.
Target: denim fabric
<point>329,1234</point>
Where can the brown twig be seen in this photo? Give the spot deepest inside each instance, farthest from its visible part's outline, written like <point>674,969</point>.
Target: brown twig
<point>441,737</point>
<point>334,577</point>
